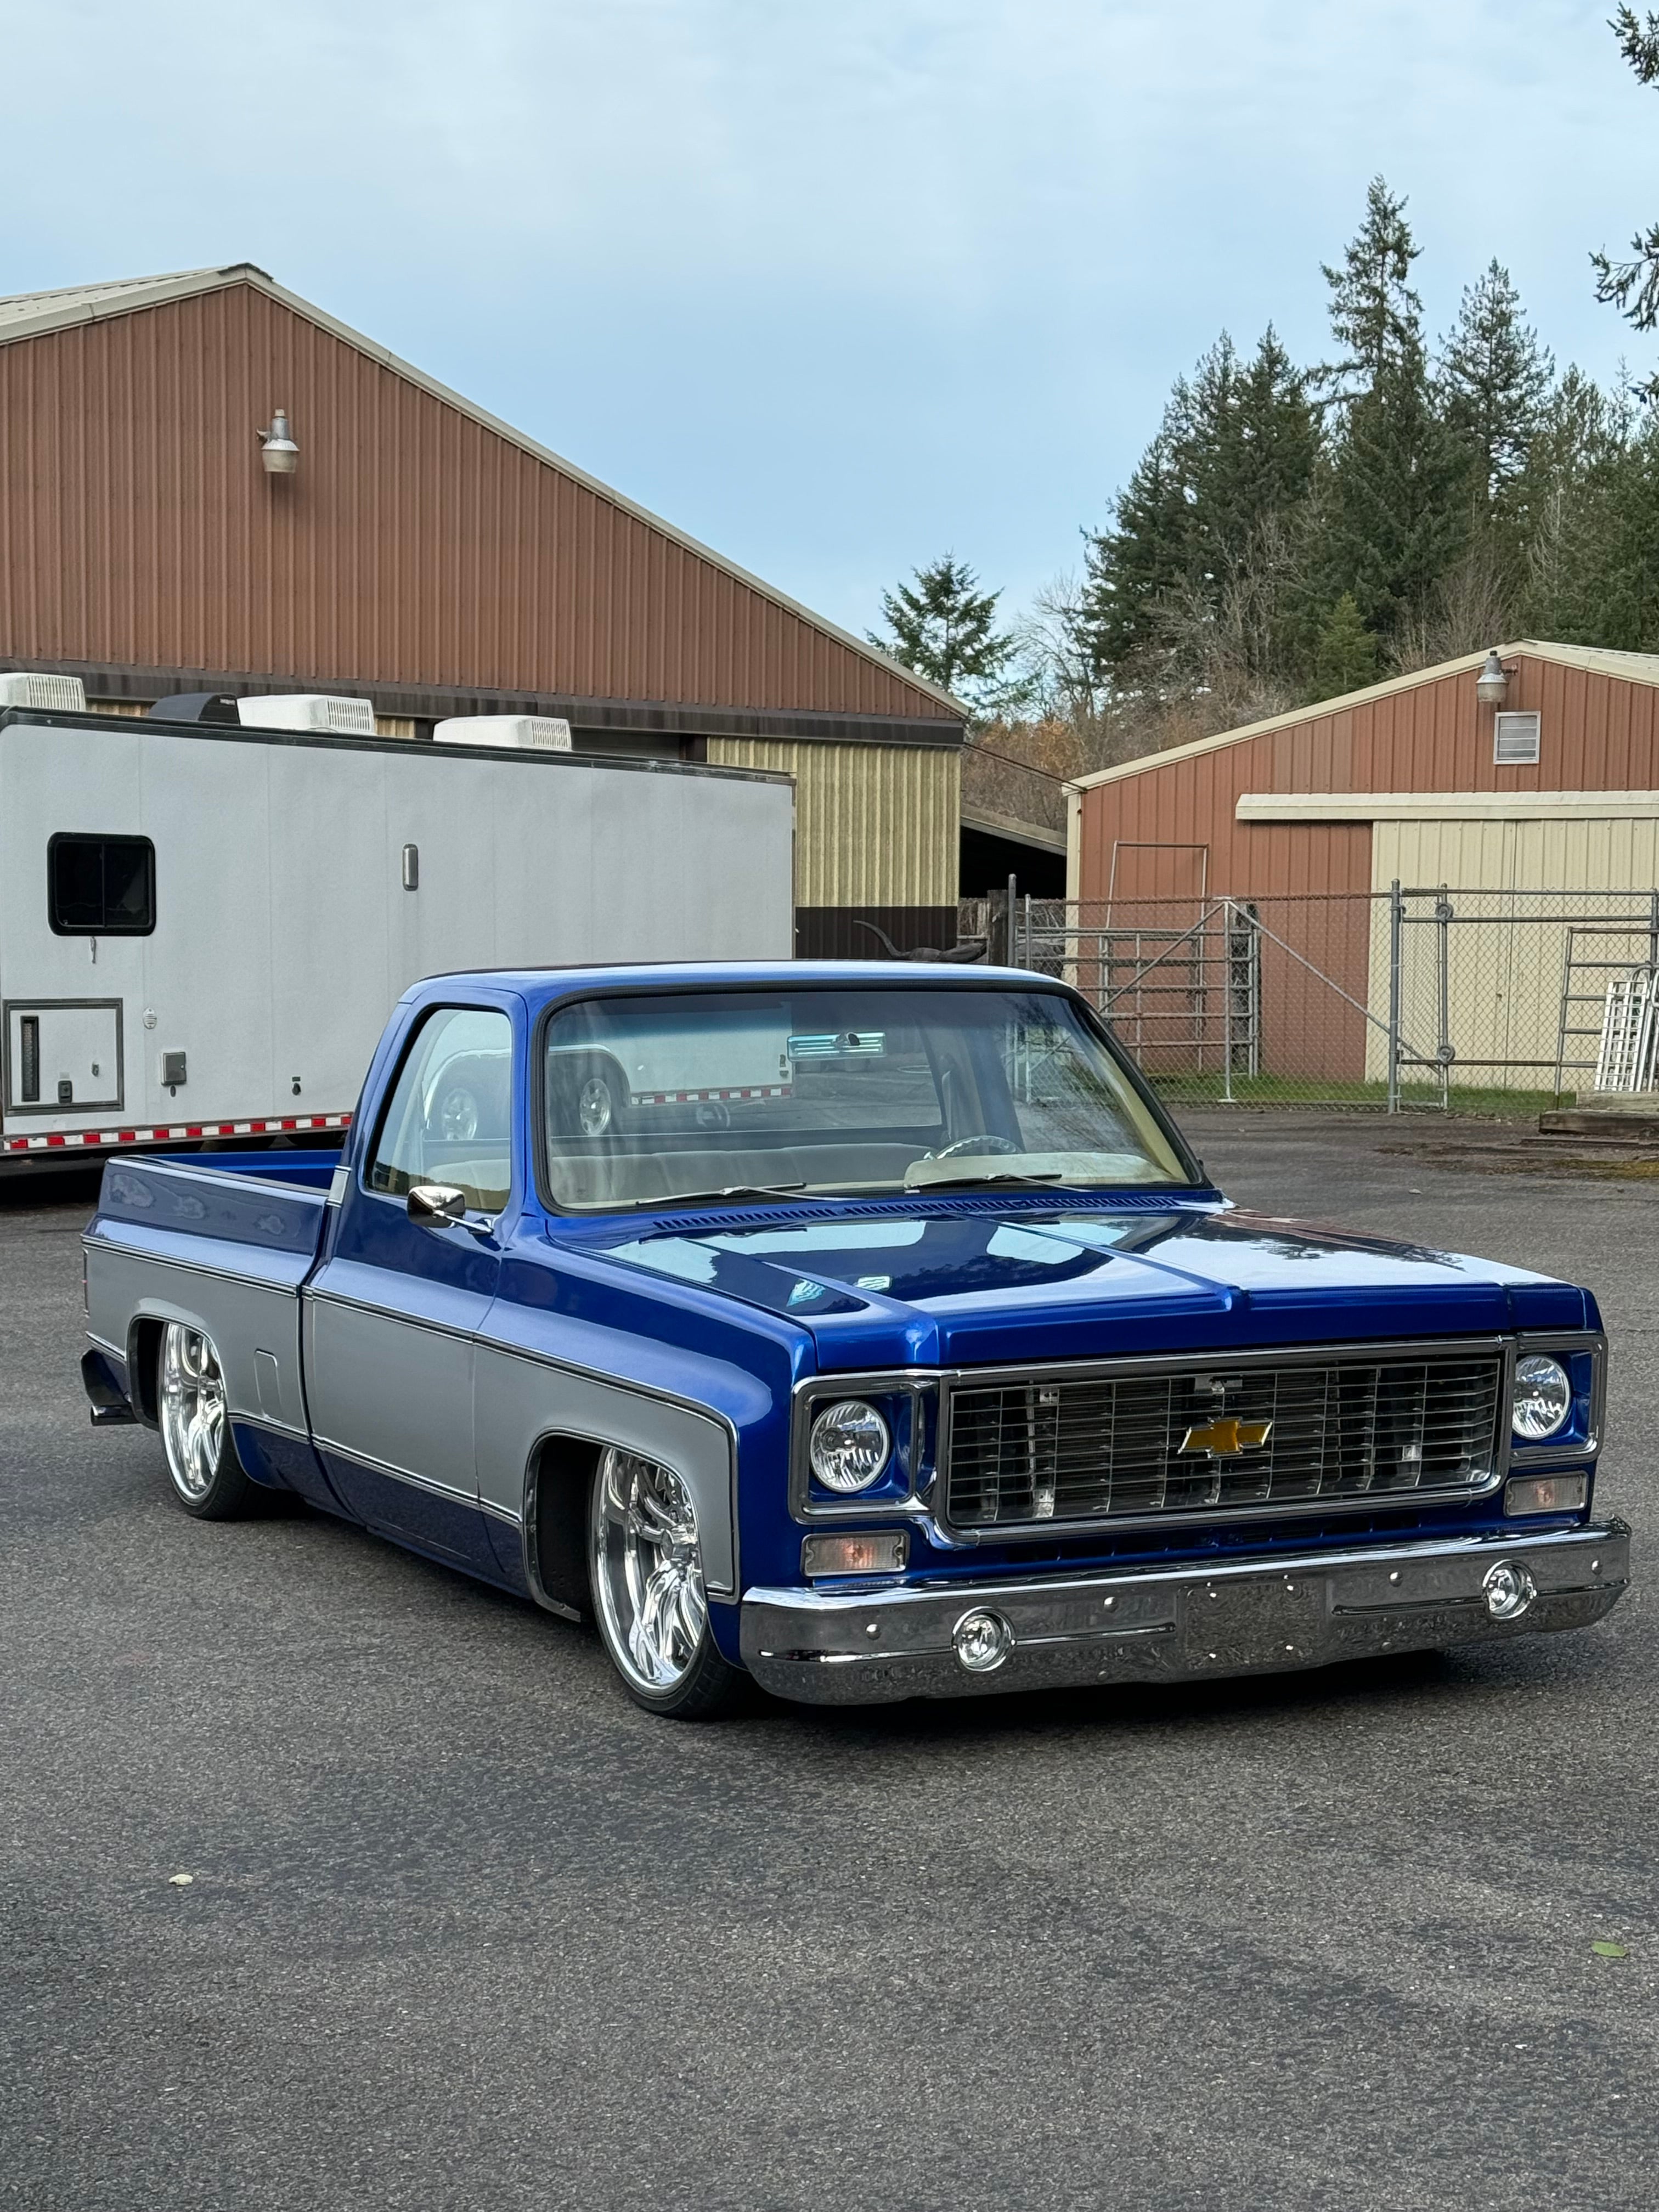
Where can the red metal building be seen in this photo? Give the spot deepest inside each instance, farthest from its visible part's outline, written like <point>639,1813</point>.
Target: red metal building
<point>1505,777</point>
<point>436,558</point>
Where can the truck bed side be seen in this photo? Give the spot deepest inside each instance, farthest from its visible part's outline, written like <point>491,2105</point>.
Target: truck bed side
<point>223,1247</point>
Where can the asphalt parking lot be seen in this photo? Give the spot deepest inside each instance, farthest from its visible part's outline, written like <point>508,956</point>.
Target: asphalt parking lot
<point>466,1931</point>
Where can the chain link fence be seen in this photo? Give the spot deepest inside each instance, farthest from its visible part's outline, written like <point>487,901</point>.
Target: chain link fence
<point>1479,1000</point>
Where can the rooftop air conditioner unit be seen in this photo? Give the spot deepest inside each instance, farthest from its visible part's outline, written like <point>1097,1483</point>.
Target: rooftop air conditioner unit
<point>542,733</point>
<point>308,710</point>
<point>19,688</point>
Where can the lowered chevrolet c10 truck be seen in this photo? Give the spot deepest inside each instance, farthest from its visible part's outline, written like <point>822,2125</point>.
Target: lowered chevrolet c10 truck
<point>930,1365</point>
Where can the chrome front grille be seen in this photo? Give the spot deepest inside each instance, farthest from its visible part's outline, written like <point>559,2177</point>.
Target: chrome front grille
<point>1218,1436</point>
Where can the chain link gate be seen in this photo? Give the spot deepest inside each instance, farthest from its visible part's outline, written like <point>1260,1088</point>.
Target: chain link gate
<point>1535,994</point>
<point>1481,1000</point>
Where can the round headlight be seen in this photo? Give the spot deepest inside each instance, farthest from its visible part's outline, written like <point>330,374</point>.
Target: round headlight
<point>849,1446</point>
<point>1543,1397</point>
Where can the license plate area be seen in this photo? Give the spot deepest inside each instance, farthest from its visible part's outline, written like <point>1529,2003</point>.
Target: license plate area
<point>1273,1621</point>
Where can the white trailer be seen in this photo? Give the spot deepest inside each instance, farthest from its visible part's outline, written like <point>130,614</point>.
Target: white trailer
<point>203,928</point>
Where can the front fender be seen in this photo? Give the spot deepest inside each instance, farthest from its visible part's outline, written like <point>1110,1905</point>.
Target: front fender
<point>525,1397</point>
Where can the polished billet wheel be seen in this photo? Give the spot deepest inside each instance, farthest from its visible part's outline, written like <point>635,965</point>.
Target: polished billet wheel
<point>595,1108</point>
<point>647,1572</point>
<point>195,1425</point>
<point>458,1114</point>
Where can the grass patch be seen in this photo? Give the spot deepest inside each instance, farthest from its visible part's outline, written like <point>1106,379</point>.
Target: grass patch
<point>1489,1102</point>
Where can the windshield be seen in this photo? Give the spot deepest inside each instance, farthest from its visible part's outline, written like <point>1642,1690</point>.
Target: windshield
<point>740,1094</point>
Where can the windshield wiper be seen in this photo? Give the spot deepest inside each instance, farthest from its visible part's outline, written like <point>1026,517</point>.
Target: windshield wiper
<point>731,1190</point>
<point>975,1182</point>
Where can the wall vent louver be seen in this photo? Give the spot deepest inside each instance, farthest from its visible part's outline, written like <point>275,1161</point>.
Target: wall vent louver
<point>1515,740</point>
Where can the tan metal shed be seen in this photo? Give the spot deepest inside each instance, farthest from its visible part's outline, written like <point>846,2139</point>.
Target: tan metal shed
<point>1304,823</point>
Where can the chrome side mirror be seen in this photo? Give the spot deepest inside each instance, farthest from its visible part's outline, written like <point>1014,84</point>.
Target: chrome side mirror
<point>434,1204</point>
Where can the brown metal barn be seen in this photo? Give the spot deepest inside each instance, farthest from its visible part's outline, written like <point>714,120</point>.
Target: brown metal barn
<point>438,559</point>
<point>1294,831</point>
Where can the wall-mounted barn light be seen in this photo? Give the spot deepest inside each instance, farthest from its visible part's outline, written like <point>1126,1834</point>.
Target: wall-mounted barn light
<point>1491,685</point>
<point>278,450</point>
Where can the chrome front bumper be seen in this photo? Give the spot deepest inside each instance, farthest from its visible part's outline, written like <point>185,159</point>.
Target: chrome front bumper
<point>842,1647</point>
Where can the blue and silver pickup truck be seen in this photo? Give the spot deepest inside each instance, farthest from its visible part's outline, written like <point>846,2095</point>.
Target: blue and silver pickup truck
<point>866,1330</point>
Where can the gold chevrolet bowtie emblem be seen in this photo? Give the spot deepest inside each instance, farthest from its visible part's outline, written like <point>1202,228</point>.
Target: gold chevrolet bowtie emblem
<point>1226,1437</point>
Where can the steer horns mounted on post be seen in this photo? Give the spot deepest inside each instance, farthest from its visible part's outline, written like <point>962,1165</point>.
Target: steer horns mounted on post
<point>959,952</point>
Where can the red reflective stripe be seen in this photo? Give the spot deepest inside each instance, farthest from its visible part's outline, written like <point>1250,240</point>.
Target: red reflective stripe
<point>105,1140</point>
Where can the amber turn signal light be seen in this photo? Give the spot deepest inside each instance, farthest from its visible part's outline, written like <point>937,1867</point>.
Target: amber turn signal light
<point>1545,1493</point>
<point>880,1554</point>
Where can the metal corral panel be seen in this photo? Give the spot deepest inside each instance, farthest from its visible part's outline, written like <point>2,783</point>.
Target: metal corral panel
<point>416,545</point>
<point>875,825</point>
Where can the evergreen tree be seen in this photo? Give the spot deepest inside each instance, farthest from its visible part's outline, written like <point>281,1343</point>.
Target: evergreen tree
<point>945,628</point>
<point>1235,451</point>
<point>1146,554</point>
<point>1345,655</point>
<point>1594,549</point>
<point>1396,509</point>
<point>1495,378</point>
<point>1632,286</point>
<point>1376,316</point>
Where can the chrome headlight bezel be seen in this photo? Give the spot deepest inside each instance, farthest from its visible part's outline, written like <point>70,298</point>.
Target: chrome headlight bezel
<point>906,1401</point>
<point>1582,1355</point>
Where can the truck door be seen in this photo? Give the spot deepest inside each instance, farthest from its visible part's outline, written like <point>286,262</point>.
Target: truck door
<point>391,1315</point>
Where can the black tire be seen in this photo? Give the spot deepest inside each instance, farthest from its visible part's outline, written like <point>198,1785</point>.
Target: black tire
<point>207,1478</point>
<point>680,1675</point>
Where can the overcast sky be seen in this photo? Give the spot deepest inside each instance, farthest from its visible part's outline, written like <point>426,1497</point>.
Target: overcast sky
<point>834,284</point>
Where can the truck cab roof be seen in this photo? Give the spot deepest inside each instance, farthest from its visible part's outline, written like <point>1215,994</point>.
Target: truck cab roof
<point>542,986</point>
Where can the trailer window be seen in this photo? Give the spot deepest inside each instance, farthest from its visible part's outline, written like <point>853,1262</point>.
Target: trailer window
<point>101,887</point>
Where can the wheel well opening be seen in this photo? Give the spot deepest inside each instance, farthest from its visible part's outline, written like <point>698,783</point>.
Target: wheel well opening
<point>143,1355</point>
<point>556,1506</point>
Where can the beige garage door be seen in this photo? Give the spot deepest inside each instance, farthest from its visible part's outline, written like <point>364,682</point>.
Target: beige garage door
<point>1507,950</point>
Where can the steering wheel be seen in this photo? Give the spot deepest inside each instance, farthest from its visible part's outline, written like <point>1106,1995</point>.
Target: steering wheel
<point>984,1142</point>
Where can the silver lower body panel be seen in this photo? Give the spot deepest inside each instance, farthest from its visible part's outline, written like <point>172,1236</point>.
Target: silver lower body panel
<point>850,1647</point>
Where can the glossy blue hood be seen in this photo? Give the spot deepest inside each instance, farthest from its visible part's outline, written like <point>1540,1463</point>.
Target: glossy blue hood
<point>938,1287</point>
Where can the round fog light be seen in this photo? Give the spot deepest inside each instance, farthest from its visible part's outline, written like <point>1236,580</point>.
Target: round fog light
<point>1509,1589</point>
<point>983,1640</point>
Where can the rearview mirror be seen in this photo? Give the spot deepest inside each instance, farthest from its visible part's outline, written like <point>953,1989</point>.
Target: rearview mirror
<point>433,1204</point>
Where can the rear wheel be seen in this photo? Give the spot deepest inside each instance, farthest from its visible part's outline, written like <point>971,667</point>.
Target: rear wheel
<point>195,1422</point>
<point>645,1562</point>
<point>599,1097</point>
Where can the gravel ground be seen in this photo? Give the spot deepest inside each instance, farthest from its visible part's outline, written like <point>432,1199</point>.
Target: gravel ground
<point>466,1929</point>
